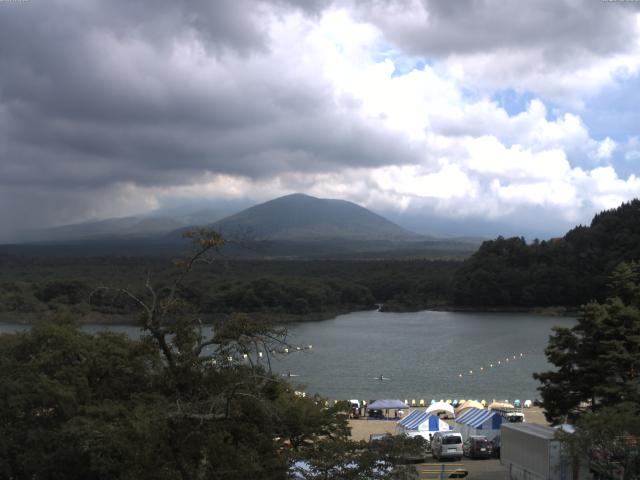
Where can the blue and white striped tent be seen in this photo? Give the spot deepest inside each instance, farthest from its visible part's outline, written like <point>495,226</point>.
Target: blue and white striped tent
<point>475,421</point>
<point>421,423</point>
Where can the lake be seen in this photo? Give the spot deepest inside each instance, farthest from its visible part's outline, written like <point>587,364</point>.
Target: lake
<point>424,355</point>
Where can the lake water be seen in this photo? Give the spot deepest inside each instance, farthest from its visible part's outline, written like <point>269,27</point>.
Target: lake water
<point>422,354</point>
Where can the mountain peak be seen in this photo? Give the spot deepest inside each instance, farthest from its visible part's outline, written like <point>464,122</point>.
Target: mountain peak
<point>298,216</point>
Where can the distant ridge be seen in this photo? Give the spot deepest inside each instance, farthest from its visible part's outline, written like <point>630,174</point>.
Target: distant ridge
<point>292,226</point>
<point>298,217</point>
<point>133,227</point>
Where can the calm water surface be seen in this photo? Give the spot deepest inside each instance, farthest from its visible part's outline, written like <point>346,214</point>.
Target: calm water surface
<point>422,354</point>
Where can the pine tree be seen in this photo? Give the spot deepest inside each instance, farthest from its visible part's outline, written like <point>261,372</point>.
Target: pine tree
<point>598,360</point>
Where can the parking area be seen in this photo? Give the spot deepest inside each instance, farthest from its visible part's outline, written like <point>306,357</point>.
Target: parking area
<point>478,469</point>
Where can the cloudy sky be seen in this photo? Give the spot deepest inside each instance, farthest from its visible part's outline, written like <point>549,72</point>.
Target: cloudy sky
<point>473,116</point>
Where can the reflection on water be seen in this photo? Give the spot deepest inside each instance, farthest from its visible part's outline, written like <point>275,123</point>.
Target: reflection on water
<point>419,355</point>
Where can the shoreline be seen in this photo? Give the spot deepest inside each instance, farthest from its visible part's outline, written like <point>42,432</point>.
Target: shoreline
<point>556,311</point>
<point>97,318</point>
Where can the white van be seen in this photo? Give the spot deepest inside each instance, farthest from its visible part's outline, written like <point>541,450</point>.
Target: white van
<point>446,445</point>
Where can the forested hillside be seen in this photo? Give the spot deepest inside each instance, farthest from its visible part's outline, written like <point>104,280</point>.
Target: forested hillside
<point>33,289</point>
<point>568,271</point>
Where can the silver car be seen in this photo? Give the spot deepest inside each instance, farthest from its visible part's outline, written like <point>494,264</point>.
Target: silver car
<point>446,445</point>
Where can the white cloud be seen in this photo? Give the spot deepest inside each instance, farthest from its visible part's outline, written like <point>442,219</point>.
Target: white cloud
<point>475,158</point>
<point>606,149</point>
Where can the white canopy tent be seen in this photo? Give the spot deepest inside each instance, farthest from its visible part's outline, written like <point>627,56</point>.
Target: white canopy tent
<point>438,407</point>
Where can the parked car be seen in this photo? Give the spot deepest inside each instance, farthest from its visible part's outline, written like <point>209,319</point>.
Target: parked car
<point>495,444</point>
<point>477,446</point>
<point>446,445</point>
<point>379,414</point>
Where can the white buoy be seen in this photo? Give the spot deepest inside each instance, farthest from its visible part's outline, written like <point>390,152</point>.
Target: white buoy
<point>491,365</point>
<point>260,354</point>
<point>470,372</point>
<point>460,375</point>
<point>481,368</point>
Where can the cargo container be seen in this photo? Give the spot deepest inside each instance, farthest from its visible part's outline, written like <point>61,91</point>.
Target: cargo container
<point>533,452</point>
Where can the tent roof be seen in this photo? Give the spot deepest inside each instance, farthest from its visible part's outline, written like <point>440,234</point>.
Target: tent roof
<point>475,417</point>
<point>440,406</point>
<point>417,418</point>
<point>468,404</point>
<point>387,403</point>
<point>500,405</point>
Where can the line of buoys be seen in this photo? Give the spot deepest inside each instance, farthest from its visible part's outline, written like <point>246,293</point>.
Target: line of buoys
<point>245,355</point>
<point>482,368</point>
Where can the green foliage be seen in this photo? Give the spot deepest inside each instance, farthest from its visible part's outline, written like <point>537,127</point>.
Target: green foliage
<point>175,405</point>
<point>342,459</point>
<point>598,360</point>
<point>568,271</point>
<point>34,288</point>
<point>609,441</point>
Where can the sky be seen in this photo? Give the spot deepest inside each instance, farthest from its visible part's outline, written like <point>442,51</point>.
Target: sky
<point>476,117</point>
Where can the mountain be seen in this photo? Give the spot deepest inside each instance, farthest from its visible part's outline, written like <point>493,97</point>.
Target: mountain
<point>133,227</point>
<point>300,217</point>
<point>293,226</point>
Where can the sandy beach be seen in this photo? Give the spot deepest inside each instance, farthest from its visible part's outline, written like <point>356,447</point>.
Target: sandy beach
<point>362,428</point>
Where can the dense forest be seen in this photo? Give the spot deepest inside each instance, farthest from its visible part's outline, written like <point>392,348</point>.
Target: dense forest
<point>36,288</point>
<point>506,273</point>
<point>568,271</point>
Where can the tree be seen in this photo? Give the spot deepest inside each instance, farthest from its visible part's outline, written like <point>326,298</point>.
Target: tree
<point>609,440</point>
<point>598,359</point>
<point>187,402</point>
<point>597,383</point>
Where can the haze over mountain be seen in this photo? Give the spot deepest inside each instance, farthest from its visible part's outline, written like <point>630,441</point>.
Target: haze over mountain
<point>295,225</point>
<point>303,217</point>
<point>146,226</point>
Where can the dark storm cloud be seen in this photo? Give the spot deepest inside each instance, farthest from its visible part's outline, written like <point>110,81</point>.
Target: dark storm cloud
<point>560,29</point>
<point>99,94</point>
<point>95,96</point>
